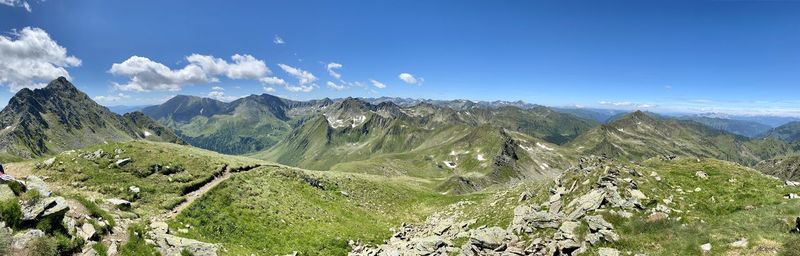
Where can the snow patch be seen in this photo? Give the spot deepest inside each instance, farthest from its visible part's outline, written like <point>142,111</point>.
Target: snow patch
<point>481,158</point>
<point>147,133</point>
<point>543,146</point>
<point>358,120</point>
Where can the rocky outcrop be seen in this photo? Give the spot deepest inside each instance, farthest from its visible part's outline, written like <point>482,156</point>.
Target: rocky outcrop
<point>44,207</point>
<point>169,245</point>
<point>567,223</point>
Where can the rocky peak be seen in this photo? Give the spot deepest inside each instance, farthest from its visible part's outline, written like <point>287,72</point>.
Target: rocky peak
<point>61,84</point>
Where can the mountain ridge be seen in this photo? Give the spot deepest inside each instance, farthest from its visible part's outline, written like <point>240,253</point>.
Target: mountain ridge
<point>60,117</point>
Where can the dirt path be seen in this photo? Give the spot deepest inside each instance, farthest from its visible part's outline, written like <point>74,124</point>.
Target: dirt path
<point>194,195</point>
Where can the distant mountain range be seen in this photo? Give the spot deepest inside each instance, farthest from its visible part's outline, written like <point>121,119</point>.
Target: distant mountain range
<point>246,125</point>
<point>740,127</point>
<point>59,117</point>
<point>640,135</point>
<point>123,109</point>
<point>465,145</point>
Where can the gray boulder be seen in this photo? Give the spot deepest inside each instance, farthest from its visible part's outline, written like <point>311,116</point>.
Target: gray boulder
<point>87,232</point>
<point>488,238</point>
<point>122,162</point>
<point>588,202</point>
<point>607,252</point>
<point>119,203</point>
<point>44,207</point>
<point>33,182</point>
<point>20,240</point>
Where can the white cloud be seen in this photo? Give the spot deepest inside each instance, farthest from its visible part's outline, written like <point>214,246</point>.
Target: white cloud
<point>217,88</point>
<point>17,3</point>
<point>616,103</point>
<point>220,96</point>
<point>627,104</point>
<point>377,84</point>
<point>303,77</point>
<point>243,66</point>
<point>300,88</point>
<point>111,98</point>
<point>30,59</point>
<point>335,86</point>
<point>269,89</point>
<point>147,75</point>
<point>331,70</point>
<point>278,40</point>
<point>410,79</point>
<point>273,81</point>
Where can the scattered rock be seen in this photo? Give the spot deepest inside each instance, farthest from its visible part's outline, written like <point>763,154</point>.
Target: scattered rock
<point>42,207</point>
<point>94,155</point>
<point>33,182</point>
<point>20,240</point>
<point>524,196</point>
<point>657,216</point>
<point>587,202</point>
<point>637,194</point>
<point>134,189</point>
<point>70,225</point>
<point>122,162</point>
<point>742,243</point>
<point>87,232</point>
<point>120,203</point>
<point>705,248</point>
<point>49,162</point>
<point>796,225</point>
<point>113,248</point>
<point>488,238</point>
<point>701,175</point>
<point>791,196</point>
<point>603,251</point>
<point>790,183</point>
<point>172,245</point>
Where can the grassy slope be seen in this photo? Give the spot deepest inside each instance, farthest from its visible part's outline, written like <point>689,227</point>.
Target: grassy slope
<point>159,190</point>
<point>720,213</point>
<point>273,211</point>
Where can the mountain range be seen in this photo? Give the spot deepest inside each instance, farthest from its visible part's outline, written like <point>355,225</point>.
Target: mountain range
<point>347,176</point>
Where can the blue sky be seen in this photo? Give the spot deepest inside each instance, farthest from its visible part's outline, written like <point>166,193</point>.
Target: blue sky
<point>694,56</point>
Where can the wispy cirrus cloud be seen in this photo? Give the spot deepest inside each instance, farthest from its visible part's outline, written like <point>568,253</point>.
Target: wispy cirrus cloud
<point>17,3</point>
<point>111,98</point>
<point>377,84</point>
<point>305,80</point>
<point>335,86</point>
<point>278,40</point>
<point>627,104</point>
